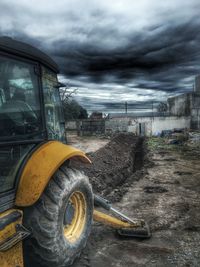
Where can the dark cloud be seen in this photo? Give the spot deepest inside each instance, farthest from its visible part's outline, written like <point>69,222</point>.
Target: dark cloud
<point>173,49</point>
<point>140,53</point>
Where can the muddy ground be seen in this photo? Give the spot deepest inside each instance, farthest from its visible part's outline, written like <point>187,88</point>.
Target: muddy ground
<point>87,144</point>
<point>151,180</point>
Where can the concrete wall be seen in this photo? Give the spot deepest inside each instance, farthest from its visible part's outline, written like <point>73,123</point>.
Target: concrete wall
<point>197,84</point>
<point>180,105</point>
<point>195,114</point>
<point>139,125</point>
<point>86,126</point>
<point>92,127</point>
<point>195,119</point>
<point>117,125</point>
<point>150,125</point>
<point>186,105</point>
<point>71,125</point>
<point>169,123</point>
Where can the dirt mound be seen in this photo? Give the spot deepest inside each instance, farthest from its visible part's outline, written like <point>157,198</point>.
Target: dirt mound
<point>113,166</point>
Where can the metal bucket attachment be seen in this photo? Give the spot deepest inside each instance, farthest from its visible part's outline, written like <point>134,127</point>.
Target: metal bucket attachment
<point>138,232</point>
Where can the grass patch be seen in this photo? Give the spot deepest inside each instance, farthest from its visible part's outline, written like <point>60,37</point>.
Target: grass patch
<point>159,143</point>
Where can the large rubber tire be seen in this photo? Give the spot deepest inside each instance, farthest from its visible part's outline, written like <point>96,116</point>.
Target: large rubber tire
<point>48,245</point>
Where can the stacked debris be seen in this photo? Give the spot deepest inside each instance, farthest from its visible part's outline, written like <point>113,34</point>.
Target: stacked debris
<point>180,136</point>
<point>175,136</point>
<point>194,137</point>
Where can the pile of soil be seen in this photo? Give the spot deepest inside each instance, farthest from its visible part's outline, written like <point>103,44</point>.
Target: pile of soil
<point>115,166</point>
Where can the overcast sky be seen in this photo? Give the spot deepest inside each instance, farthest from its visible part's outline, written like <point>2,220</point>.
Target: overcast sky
<point>113,51</point>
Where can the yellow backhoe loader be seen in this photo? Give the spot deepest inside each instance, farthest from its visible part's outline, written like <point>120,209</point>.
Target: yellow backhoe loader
<point>46,207</point>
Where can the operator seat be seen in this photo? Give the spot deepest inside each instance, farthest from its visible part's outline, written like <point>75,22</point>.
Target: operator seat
<point>17,114</point>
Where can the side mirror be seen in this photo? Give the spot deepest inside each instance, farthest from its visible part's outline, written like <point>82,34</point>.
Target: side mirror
<point>59,84</point>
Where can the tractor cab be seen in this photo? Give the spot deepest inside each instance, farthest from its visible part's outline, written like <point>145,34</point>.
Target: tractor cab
<point>30,109</point>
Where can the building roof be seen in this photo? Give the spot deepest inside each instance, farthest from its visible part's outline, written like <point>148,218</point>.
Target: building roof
<point>18,48</point>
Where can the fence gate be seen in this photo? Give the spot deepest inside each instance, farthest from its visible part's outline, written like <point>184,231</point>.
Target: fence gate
<point>92,127</point>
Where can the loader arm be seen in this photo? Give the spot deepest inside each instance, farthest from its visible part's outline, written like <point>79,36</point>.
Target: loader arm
<point>124,225</point>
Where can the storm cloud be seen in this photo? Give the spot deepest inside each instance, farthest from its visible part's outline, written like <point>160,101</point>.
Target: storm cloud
<point>140,52</point>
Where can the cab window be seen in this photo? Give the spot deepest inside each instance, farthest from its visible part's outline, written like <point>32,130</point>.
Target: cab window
<point>19,99</point>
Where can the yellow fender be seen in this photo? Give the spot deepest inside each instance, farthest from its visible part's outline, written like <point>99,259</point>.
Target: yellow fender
<point>39,169</point>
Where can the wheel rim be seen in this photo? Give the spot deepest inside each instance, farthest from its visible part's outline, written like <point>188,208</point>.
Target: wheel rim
<point>75,217</point>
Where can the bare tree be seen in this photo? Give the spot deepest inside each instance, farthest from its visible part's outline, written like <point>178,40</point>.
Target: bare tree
<point>71,108</point>
<point>66,93</point>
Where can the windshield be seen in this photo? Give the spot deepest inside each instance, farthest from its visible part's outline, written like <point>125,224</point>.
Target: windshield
<point>19,100</point>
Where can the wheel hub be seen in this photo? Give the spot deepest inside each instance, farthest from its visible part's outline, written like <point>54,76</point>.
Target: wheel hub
<point>69,214</point>
<point>74,217</point>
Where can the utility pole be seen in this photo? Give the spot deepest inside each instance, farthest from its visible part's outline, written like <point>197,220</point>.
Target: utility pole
<point>126,107</point>
<point>152,110</point>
